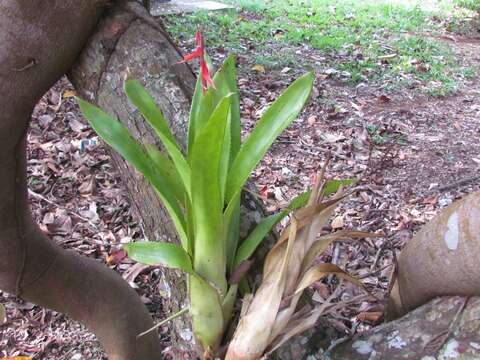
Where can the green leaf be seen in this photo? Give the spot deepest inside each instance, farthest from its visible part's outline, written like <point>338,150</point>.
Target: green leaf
<point>226,83</point>
<point>202,107</point>
<point>164,165</point>
<point>250,244</point>
<point>119,138</point>
<point>225,80</point>
<point>225,159</point>
<point>278,116</point>
<point>164,321</point>
<point>332,186</point>
<point>160,253</point>
<point>299,201</point>
<point>229,302</point>
<point>116,135</point>
<point>206,312</point>
<point>194,114</point>
<point>145,103</point>
<point>207,202</point>
<point>255,238</point>
<point>232,230</point>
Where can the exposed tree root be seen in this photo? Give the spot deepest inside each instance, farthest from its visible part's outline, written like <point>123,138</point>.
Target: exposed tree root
<point>39,42</point>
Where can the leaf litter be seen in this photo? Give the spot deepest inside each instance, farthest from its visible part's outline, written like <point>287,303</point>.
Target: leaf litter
<point>412,154</point>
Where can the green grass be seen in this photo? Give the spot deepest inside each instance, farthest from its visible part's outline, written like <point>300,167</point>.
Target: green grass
<point>473,5</point>
<point>356,37</point>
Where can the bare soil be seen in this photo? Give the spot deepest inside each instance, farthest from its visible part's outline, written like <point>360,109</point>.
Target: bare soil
<point>413,154</point>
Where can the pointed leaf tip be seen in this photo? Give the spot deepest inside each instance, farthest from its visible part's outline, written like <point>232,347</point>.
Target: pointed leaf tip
<point>160,253</point>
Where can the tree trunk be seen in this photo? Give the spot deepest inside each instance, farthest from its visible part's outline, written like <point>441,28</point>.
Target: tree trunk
<point>39,41</point>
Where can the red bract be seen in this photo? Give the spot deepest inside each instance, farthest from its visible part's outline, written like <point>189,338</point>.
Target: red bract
<point>199,53</point>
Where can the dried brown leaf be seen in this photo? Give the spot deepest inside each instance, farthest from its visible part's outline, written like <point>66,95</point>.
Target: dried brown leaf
<point>318,272</point>
<point>337,222</point>
<point>131,274</point>
<point>3,314</point>
<point>252,336</point>
<point>373,316</point>
<point>324,242</point>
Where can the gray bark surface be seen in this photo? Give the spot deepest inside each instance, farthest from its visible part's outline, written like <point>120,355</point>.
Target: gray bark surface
<point>444,328</point>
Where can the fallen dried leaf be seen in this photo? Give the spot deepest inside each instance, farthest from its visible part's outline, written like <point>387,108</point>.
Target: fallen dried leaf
<point>69,93</point>
<point>3,314</point>
<point>384,99</point>
<point>116,256</point>
<point>312,119</point>
<point>338,222</point>
<point>372,317</point>
<point>131,274</point>
<point>258,68</point>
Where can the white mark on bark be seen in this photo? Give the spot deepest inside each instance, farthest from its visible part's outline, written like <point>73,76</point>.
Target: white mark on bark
<point>475,345</point>
<point>396,343</point>
<point>304,340</point>
<point>450,351</point>
<point>452,234</point>
<point>186,334</point>
<point>428,358</point>
<point>362,347</point>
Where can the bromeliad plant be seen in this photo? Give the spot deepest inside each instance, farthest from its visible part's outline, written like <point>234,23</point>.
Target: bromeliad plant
<point>201,189</point>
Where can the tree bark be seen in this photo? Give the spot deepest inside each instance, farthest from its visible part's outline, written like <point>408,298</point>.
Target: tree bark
<point>125,45</point>
<point>444,328</point>
<point>39,41</point>
<point>441,259</point>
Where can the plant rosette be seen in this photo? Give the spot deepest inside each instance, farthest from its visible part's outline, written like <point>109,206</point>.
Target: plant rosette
<point>201,188</point>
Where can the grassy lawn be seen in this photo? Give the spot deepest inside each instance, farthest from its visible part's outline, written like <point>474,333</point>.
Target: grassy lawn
<point>387,41</point>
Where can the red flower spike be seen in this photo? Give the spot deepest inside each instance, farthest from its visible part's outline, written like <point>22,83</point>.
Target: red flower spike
<point>199,53</point>
<point>194,55</point>
<point>206,78</point>
<point>199,39</point>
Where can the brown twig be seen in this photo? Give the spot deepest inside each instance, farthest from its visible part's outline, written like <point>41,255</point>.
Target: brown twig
<point>458,184</point>
<point>41,197</point>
